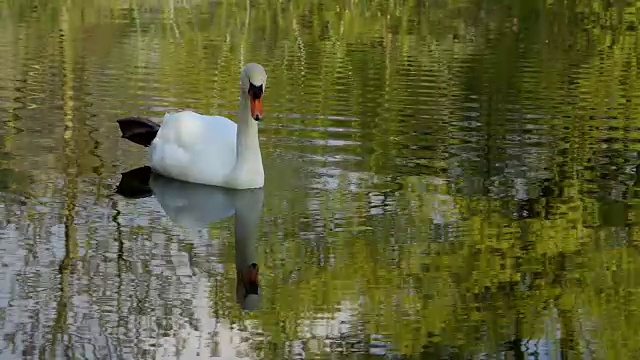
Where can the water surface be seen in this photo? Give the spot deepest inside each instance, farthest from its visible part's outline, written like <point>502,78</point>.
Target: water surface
<point>445,179</point>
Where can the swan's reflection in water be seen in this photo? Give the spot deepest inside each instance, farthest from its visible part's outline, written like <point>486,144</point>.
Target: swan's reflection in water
<point>196,206</point>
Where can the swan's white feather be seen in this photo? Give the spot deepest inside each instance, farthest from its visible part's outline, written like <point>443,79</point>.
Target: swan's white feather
<point>195,148</point>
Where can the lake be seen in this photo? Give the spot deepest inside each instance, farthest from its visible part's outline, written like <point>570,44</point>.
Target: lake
<point>444,180</point>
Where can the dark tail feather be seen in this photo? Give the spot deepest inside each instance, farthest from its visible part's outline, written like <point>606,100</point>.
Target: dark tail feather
<point>135,183</point>
<point>138,130</point>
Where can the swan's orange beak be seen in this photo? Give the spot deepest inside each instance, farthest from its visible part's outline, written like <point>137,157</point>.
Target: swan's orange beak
<point>255,95</point>
<point>256,108</point>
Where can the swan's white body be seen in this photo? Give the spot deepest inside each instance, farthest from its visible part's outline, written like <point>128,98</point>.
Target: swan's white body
<point>203,149</point>
<point>213,150</point>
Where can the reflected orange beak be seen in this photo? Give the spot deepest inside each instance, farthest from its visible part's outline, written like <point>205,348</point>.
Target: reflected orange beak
<point>251,273</point>
<point>256,109</point>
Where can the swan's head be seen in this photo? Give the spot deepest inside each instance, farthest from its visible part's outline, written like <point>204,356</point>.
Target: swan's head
<point>253,83</point>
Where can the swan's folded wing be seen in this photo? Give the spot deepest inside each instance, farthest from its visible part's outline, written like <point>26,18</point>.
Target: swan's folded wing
<point>195,148</point>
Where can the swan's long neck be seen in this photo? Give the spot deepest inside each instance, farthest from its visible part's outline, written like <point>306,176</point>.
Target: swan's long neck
<point>248,156</point>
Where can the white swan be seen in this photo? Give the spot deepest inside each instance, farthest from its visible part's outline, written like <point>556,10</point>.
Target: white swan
<point>210,150</point>
<point>197,206</point>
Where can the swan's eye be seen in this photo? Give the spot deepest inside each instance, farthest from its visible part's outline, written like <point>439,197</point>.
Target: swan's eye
<point>255,91</point>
